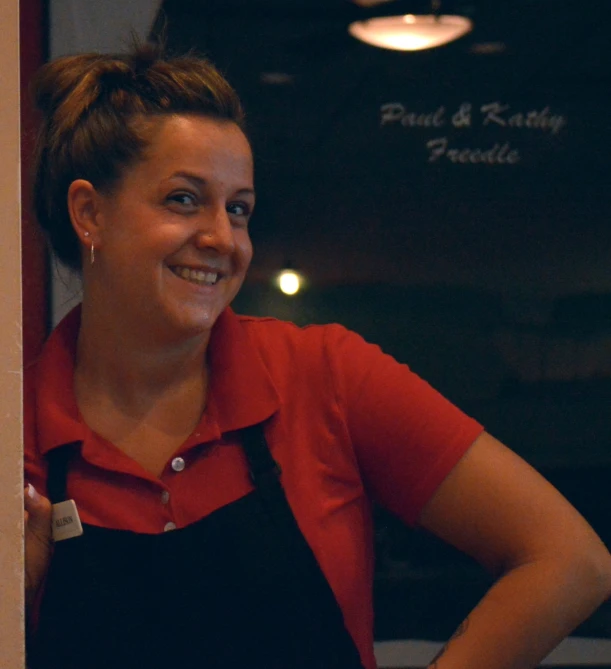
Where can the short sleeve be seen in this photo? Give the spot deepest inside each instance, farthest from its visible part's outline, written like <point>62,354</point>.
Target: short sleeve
<point>407,437</point>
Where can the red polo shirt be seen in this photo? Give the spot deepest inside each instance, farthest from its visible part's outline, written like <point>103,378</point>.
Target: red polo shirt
<point>348,424</point>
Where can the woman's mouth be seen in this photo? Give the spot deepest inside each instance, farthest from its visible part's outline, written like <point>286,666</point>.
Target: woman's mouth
<point>196,276</point>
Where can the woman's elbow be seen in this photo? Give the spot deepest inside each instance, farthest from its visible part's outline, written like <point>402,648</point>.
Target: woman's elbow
<point>599,560</point>
<point>588,569</point>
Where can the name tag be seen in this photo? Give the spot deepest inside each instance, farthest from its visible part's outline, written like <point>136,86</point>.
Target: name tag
<point>65,521</point>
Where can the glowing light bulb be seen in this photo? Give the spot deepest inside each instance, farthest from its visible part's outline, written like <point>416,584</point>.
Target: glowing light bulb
<point>410,32</point>
<point>289,282</point>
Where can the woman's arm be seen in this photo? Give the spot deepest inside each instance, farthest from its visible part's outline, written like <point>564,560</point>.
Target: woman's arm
<point>553,570</point>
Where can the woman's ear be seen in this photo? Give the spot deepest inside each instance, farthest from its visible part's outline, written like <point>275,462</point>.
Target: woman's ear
<point>83,207</point>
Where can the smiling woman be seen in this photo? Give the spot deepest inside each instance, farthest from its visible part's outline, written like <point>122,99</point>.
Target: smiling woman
<point>220,469</point>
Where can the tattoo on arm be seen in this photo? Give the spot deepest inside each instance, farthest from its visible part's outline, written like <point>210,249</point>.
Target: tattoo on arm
<point>462,628</point>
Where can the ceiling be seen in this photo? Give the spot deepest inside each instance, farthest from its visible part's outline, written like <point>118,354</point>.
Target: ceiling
<point>348,199</point>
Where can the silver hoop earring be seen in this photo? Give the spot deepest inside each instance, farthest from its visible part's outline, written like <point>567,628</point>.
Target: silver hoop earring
<point>92,254</point>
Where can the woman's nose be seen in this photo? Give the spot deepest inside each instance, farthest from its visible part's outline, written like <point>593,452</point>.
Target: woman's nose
<point>215,231</point>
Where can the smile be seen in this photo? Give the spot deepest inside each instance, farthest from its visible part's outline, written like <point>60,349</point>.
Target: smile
<point>196,276</point>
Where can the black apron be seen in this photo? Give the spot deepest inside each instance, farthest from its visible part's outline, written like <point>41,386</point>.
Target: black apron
<point>240,588</point>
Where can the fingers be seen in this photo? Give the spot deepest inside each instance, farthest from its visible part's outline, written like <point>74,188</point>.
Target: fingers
<point>38,541</point>
<point>38,511</point>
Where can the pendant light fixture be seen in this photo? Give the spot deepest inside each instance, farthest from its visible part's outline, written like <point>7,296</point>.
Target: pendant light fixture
<point>411,32</point>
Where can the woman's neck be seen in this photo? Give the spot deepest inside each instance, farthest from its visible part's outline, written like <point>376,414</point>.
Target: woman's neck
<point>132,367</point>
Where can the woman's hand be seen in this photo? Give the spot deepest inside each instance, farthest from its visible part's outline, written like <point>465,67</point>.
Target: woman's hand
<point>38,541</point>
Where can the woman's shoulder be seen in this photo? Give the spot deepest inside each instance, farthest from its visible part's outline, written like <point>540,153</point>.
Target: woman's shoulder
<point>270,331</point>
<point>343,356</point>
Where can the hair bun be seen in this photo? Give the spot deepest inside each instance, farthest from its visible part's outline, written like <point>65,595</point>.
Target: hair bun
<point>67,88</point>
<point>55,81</point>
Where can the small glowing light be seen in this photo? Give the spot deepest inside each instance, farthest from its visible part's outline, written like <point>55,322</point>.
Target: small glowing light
<point>289,282</point>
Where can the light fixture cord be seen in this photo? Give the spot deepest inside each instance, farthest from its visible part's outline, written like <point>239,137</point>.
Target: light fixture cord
<point>436,8</point>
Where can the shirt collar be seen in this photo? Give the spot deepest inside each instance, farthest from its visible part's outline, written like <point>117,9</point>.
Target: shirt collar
<point>240,393</point>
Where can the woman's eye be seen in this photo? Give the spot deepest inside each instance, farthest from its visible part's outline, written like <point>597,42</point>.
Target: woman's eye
<point>183,199</point>
<point>239,209</point>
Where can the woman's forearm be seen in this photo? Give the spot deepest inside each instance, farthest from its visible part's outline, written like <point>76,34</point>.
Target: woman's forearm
<point>526,614</point>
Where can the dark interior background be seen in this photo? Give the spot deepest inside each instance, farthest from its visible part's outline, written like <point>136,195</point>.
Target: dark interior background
<point>491,279</point>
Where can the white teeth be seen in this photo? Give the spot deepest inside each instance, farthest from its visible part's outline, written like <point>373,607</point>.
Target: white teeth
<point>196,276</point>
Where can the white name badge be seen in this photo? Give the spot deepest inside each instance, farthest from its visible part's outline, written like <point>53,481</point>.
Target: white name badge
<point>66,521</point>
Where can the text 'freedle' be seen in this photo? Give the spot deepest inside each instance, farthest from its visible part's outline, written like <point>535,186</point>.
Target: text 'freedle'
<point>492,114</point>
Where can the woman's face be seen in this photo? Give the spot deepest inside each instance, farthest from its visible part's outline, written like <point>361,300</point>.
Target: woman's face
<point>174,245</point>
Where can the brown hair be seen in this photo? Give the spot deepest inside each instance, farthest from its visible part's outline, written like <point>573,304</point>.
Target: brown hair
<point>91,105</point>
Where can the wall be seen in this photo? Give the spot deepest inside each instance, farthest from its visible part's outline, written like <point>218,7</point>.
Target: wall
<point>11,482</point>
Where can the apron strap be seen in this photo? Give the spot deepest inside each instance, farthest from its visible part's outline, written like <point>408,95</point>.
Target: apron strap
<point>260,461</point>
<point>58,460</point>
<point>265,474</point>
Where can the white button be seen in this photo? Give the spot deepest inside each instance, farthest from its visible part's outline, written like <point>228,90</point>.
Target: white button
<point>165,497</point>
<point>178,464</point>
<point>169,526</point>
